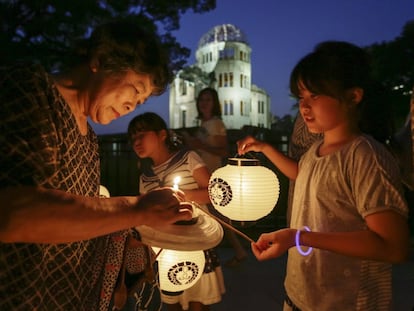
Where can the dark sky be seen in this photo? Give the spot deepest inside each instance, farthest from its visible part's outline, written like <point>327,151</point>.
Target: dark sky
<point>280,33</point>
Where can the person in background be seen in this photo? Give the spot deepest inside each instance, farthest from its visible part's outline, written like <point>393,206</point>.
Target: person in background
<point>162,161</point>
<point>61,245</point>
<point>349,216</point>
<point>210,142</point>
<point>403,149</point>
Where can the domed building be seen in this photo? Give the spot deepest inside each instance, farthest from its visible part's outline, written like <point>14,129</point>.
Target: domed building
<point>223,61</point>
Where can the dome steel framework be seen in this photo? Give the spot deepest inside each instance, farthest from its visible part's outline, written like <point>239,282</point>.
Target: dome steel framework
<point>225,32</point>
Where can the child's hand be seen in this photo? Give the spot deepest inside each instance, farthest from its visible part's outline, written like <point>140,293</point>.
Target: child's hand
<point>273,244</point>
<point>249,143</point>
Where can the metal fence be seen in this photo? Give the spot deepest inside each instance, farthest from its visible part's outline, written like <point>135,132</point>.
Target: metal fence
<point>119,172</point>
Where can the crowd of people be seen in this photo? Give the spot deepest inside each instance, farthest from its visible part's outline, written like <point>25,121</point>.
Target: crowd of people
<point>65,247</point>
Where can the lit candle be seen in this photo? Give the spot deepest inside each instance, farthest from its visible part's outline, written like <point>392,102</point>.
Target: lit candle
<point>176,181</point>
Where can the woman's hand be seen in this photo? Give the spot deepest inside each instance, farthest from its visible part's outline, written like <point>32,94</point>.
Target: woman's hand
<point>162,207</point>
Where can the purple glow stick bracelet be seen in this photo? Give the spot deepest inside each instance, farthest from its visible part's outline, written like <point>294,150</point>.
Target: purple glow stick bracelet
<point>298,245</point>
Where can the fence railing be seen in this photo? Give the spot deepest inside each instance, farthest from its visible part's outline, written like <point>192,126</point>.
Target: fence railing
<point>119,172</point>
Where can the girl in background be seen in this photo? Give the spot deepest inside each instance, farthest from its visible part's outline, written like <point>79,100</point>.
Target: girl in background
<point>162,160</point>
<point>348,189</point>
<point>210,142</point>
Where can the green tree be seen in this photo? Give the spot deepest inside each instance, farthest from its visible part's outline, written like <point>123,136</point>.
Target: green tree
<point>41,30</point>
<point>393,65</point>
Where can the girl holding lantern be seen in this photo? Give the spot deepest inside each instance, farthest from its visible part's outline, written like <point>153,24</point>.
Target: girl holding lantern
<point>348,202</point>
<point>162,160</point>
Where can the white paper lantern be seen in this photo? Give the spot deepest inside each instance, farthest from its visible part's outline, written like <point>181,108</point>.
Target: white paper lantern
<point>179,270</point>
<point>243,190</point>
<point>103,192</point>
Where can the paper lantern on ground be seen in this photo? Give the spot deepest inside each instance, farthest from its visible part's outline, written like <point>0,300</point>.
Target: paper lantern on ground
<point>243,190</point>
<point>179,270</point>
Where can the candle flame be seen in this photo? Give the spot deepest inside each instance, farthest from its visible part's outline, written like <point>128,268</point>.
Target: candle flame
<point>176,181</point>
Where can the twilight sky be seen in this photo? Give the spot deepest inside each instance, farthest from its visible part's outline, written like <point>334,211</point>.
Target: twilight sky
<point>280,33</point>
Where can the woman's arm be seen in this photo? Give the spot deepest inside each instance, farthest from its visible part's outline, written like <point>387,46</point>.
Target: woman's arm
<point>39,215</point>
<point>219,147</point>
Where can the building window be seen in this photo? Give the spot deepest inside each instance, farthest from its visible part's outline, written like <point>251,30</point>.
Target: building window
<point>231,79</point>
<point>184,88</point>
<point>260,107</point>
<point>183,117</point>
<point>226,80</point>
<point>220,80</point>
<point>221,54</point>
<point>243,81</point>
<point>241,108</point>
<point>243,56</point>
<point>228,108</point>
<point>226,53</point>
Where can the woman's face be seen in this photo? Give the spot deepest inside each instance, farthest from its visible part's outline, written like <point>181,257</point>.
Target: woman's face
<point>110,96</point>
<point>205,105</point>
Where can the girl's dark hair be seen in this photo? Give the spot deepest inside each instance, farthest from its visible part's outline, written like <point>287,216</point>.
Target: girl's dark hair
<point>123,45</point>
<point>151,121</point>
<point>216,103</point>
<point>336,66</point>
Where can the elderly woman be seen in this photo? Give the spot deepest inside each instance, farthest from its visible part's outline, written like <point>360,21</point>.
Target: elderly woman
<point>60,244</point>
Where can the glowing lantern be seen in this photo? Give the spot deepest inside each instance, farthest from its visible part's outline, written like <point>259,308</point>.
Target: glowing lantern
<point>243,190</point>
<point>179,270</point>
<point>103,192</point>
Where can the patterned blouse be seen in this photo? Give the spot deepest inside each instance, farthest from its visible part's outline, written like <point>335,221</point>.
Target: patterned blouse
<point>40,145</point>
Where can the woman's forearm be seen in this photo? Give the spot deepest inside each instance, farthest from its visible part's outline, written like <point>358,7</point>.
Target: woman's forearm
<point>38,215</point>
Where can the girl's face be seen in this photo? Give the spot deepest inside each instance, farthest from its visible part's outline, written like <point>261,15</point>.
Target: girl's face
<point>321,113</point>
<point>110,96</point>
<point>205,104</point>
<point>149,144</point>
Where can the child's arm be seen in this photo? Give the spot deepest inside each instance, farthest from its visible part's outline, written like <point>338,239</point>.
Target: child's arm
<point>386,239</point>
<point>286,165</point>
<point>200,195</point>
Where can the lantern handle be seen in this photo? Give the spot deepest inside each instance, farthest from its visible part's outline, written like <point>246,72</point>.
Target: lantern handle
<point>225,224</point>
<point>157,254</point>
<point>247,155</point>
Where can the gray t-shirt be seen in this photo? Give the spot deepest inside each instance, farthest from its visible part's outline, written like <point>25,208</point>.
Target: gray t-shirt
<point>334,193</point>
